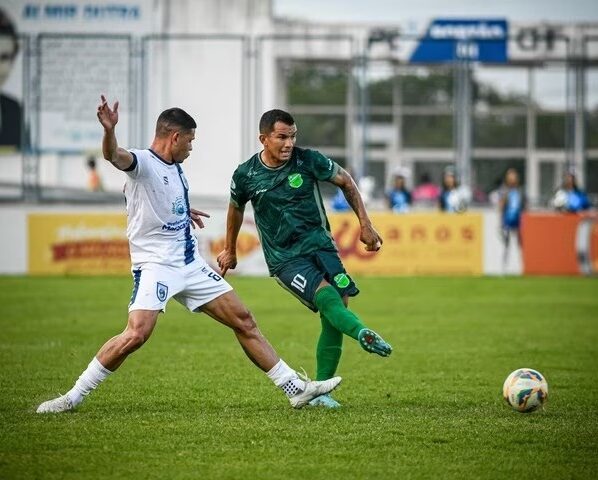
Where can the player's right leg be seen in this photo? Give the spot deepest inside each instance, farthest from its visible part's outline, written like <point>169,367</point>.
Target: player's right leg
<point>112,354</point>
<point>148,300</point>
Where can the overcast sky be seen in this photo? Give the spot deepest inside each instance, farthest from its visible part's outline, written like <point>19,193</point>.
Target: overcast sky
<point>399,11</point>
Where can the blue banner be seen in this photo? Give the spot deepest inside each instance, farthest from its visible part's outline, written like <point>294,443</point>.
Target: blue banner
<point>478,40</point>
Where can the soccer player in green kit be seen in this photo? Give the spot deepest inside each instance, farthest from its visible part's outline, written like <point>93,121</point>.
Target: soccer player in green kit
<point>281,182</point>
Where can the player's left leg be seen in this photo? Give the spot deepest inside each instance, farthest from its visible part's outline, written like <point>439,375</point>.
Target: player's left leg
<point>208,292</point>
<point>230,311</point>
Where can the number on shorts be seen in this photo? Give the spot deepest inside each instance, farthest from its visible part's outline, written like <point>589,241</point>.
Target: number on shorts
<point>299,282</point>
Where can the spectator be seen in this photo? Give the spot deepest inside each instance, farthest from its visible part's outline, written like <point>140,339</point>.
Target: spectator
<point>399,198</point>
<point>511,204</point>
<point>339,202</point>
<point>426,191</point>
<point>94,182</point>
<point>453,198</point>
<point>570,198</point>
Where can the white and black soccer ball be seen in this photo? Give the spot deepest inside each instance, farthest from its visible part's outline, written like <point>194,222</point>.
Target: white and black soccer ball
<point>525,390</point>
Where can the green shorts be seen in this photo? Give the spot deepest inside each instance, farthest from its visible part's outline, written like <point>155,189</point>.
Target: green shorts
<point>303,275</point>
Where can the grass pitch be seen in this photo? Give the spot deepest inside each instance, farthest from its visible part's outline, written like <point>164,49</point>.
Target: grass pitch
<point>190,405</point>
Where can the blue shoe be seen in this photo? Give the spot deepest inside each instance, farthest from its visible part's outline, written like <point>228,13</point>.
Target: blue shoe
<point>371,342</point>
<point>325,401</point>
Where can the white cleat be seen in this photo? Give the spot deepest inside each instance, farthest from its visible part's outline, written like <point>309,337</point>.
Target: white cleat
<point>314,389</point>
<point>60,404</point>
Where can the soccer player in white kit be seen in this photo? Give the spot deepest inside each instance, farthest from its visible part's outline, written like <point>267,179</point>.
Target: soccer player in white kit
<point>166,262</point>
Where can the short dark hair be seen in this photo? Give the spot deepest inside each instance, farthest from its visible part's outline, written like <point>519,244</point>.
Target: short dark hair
<point>174,119</point>
<point>7,29</point>
<point>271,117</point>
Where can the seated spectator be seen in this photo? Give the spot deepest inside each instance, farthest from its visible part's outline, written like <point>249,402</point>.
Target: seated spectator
<point>570,198</point>
<point>399,198</point>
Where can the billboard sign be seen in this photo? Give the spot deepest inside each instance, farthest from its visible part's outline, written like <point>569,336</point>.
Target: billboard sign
<point>447,40</point>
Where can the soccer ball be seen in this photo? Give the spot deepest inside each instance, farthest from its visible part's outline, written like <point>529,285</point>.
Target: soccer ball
<point>525,390</point>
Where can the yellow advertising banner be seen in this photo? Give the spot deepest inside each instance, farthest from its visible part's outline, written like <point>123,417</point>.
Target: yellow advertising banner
<point>414,244</point>
<point>80,244</point>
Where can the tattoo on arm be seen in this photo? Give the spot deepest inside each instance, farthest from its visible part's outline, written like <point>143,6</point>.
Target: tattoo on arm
<point>352,195</point>
<point>346,183</point>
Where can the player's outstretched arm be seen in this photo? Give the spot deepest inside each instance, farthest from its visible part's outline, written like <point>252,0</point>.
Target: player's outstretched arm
<point>369,235</point>
<point>108,117</point>
<point>227,259</point>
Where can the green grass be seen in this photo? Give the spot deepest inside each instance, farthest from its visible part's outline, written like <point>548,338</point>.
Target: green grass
<point>190,405</point>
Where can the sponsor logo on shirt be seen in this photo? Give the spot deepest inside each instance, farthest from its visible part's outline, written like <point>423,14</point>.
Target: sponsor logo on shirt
<point>295,180</point>
<point>178,206</point>
<point>176,226</point>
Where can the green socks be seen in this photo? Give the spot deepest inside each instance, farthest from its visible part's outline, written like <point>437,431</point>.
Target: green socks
<point>336,321</point>
<point>328,351</point>
<point>331,306</point>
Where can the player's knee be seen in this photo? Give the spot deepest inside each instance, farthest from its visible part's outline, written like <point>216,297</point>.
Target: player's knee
<point>133,339</point>
<point>245,324</point>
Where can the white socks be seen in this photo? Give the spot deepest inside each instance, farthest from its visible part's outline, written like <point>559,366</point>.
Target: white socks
<point>286,378</point>
<point>94,374</point>
<point>281,374</point>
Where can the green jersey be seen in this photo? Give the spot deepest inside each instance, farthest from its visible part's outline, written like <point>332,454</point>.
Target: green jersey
<point>287,204</point>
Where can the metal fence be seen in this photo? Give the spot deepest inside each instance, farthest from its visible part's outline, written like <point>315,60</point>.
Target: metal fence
<point>373,113</point>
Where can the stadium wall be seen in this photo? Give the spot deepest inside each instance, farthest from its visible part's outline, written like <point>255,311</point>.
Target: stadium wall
<point>92,241</point>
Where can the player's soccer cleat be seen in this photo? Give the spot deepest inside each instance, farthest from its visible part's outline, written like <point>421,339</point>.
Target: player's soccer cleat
<point>57,405</point>
<point>312,390</point>
<point>325,401</point>
<point>371,342</point>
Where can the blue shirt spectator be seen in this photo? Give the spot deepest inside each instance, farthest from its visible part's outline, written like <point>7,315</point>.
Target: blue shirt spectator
<point>399,198</point>
<point>339,202</point>
<point>512,208</point>
<point>570,198</point>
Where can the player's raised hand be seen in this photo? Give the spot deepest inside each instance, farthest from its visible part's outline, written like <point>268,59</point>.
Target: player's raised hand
<point>226,260</point>
<point>371,238</point>
<point>196,217</point>
<point>108,117</point>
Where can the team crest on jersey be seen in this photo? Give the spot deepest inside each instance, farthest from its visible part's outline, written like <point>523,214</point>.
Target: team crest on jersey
<point>342,280</point>
<point>295,180</point>
<point>165,178</point>
<point>178,207</point>
<point>161,291</point>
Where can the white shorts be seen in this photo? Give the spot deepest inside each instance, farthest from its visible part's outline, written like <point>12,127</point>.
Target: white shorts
<point>192,286</point>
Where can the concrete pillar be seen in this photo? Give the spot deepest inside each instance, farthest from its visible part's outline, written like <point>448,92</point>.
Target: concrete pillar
<point>579,121</point>
<point>532,180</point>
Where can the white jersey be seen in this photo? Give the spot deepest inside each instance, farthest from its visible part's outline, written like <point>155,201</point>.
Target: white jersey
<point>159,221</point>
